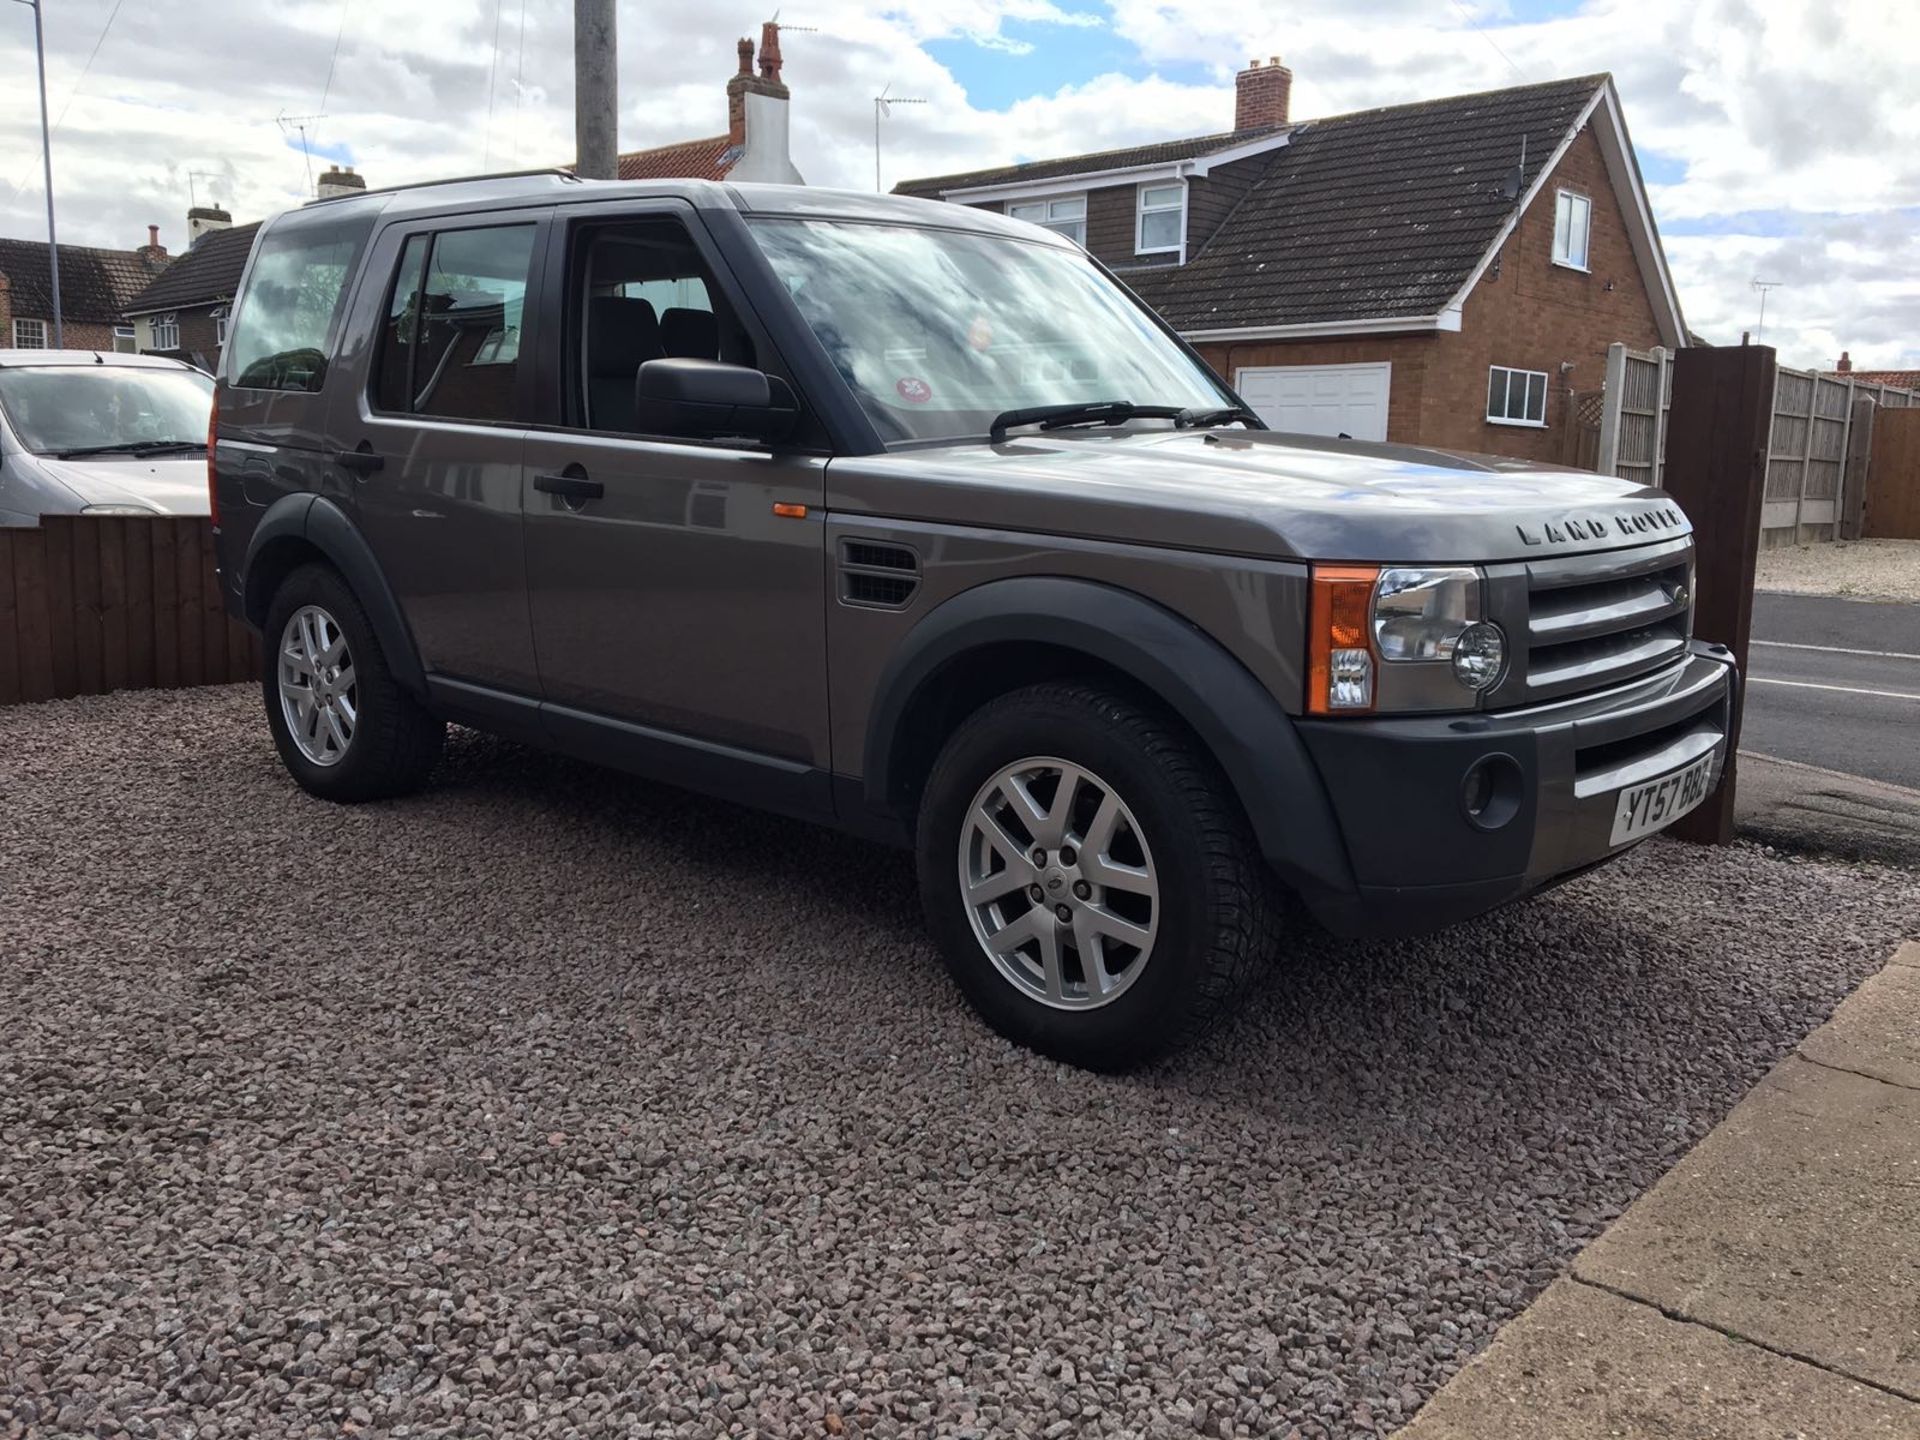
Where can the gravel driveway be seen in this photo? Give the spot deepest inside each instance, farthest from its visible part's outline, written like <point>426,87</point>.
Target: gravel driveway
<point>548,1103</point>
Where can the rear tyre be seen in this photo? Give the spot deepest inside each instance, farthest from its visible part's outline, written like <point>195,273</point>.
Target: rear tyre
<point>343,726</point>
<point>1089,877</point>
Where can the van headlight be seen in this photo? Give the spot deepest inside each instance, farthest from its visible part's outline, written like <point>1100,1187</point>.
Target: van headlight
<point>1400,637</point>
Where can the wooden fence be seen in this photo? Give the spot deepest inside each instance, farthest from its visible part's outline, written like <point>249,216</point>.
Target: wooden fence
<point>89,605</point>
<point>1808,475</point>
<point>1892,501</point>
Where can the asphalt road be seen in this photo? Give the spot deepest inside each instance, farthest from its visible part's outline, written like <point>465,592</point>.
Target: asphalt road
<point>1836,683</point>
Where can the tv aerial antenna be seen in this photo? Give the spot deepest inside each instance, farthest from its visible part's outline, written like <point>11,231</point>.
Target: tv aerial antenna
<point>883,104</point>
<point>1763,286</point>
<point>299,124</point>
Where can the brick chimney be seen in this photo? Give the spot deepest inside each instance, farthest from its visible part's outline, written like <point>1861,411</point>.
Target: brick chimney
<point>339,180</point>
<point>1261,94</point>
<point>153,252</point>
<point>1846,363</point>
<point>203,220</point>
<point>757,114</point>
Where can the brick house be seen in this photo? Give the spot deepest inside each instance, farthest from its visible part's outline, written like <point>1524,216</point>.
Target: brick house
<point>183,313</point>
<point>95,286</point>
<point>755,146</point>
<point>1444,273</point>
<point>1900,379</point>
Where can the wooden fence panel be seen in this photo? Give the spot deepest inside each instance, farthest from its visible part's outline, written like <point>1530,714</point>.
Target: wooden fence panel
<point>89,605</point>
<point>1893,477</point>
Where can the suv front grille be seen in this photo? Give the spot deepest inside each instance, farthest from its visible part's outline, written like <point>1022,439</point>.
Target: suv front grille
<point>1594,620</point>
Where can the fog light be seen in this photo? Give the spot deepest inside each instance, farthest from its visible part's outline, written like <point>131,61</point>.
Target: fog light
<point>1479,656</point>
<point>1350,680</point>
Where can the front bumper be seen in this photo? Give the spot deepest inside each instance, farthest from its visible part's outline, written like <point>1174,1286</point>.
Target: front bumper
<point>1397,787</point>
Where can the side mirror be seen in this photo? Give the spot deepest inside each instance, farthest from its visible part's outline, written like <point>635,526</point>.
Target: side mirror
<point>706,400</point>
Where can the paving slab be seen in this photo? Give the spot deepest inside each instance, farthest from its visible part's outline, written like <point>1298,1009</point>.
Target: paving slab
<point>1876,1032</point>
<point>1584,1364</point>
<point>1908,955</point>
<point>1806,809</point>
<point>1794,1224</point>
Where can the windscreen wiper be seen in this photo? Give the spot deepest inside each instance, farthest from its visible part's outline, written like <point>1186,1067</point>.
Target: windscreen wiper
<point>1225,415</point>
<point>1088,412</point>
<point>131,447</point>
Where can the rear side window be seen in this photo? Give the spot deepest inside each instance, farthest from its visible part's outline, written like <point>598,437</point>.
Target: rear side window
<point>295,292</point>
<point>450,344</point>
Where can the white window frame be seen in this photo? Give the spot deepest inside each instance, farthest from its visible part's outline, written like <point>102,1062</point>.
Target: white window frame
<point>1526,376</point>
<point>1569,203</point>
<point>165,329</point>
<point>1141,210</point>
<point>1074,227</point>
<point>220,324</point>
<point>21,330</point>
<point>128,333</point>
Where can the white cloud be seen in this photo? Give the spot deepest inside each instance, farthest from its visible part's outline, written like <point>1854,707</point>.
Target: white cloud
<point>1798,112</point>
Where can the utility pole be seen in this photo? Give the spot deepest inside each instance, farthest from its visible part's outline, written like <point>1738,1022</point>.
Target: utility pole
<point>596,94</point>
<point>46,152</point>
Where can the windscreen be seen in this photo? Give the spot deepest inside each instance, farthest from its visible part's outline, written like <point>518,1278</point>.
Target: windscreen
<point>939,331</point>
<point>55,409</point>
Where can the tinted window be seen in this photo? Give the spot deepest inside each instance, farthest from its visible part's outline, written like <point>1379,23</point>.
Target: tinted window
<point>466,358</point>
<point>393,374</point>
<point>281,337</point>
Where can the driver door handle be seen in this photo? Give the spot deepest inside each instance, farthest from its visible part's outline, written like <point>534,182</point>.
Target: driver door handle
<point>569,487</point>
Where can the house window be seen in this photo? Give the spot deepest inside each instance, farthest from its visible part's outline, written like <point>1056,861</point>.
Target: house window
<point>220,325</point>
<point>1161,221</point>
<point>1572,222</point>
<point>30,334</point>
<point>166,331</point>
<point>1516,397</point>
<point>1066,216</point>
<point>124,342</point>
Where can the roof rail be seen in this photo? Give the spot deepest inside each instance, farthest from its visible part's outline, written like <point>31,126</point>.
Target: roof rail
<point>554,170</point>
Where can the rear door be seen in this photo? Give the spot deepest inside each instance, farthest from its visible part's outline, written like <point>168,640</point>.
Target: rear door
<point>678,594</point>
<point>1330,400</point>
<point>436,427</point>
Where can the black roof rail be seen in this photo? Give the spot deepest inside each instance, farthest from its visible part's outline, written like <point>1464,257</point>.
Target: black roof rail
<point>557,171</point>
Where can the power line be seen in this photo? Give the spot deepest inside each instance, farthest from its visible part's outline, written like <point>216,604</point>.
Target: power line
<point>493,82</point>
<point>338,34</point>
<point>1474,25</point>
<point>519,90</point>
<point>87,69</point>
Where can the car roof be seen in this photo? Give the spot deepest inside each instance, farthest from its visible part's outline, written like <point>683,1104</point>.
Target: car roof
<point>90,357</point>
<point>559,187</point>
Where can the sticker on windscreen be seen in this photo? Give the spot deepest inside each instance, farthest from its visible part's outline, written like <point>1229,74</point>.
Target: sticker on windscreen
<point>913,390</point>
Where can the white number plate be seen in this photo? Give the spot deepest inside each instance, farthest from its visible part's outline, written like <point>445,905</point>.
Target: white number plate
<point>1643,809</point>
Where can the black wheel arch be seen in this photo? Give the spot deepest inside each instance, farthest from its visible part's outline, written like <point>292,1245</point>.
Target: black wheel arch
<point>300,528</point>
<point>1121,634</point>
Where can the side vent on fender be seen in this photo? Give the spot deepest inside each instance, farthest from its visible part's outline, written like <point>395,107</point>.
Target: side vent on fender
<point>877,575</point>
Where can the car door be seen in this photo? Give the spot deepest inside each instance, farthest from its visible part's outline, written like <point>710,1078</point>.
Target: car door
<point>434,435</point>
<point>677,587</point>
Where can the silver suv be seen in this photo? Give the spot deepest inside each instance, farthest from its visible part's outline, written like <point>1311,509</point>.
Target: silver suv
<point>908,519</point>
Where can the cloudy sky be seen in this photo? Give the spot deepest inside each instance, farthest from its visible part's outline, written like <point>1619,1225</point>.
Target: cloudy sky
<point>1780,138</point>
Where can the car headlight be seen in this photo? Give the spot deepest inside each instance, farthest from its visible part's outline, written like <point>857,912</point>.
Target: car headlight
<point>1399,637</point>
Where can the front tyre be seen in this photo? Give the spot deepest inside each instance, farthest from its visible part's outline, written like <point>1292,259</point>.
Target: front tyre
<point>344,727</point>
<point>1089,877</point>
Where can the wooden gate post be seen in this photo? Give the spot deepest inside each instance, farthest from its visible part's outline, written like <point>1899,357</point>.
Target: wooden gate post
<point>1853,471</point>
<point>1717,437</point>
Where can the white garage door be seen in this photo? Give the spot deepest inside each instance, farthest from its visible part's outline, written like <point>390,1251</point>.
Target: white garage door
<point>1320,399</point>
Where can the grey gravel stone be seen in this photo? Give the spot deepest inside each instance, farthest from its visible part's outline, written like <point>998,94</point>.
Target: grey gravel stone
<point>546,1103</point>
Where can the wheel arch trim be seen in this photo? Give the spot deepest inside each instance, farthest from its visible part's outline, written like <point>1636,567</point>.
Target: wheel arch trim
<point>1248,733</point>
<point>314,522</point>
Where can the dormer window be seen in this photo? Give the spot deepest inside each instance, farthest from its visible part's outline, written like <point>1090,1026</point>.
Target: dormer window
<point>1066,215</point>
<point>1160,226</point>
<point>1572,223</point>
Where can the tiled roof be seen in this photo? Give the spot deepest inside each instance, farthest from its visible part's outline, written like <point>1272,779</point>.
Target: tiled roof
<point>687,160</point>
<point>1375,215</point>
<point>1903,379</point>
<point>1162,153</point>
<point>208,273</point>
<point>95,285</point>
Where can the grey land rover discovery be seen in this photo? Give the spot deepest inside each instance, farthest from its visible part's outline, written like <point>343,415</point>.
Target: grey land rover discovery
<point>908,519</point>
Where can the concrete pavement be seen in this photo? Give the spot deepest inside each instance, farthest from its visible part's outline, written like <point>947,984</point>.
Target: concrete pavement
<point>1807,809</point>
<point>1768,1286</point>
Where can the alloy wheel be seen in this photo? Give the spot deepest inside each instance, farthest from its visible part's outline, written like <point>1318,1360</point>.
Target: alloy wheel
<point>318,696</point>
<point>1059,883</point>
